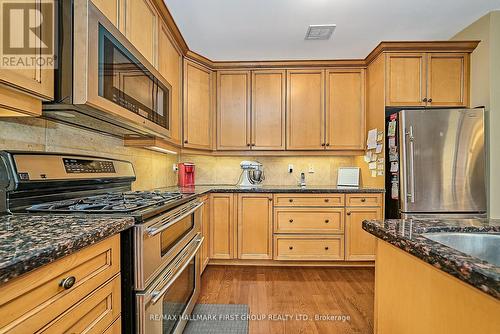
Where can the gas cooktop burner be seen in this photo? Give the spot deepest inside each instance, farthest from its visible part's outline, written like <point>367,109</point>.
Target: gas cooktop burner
<point>108,203</point>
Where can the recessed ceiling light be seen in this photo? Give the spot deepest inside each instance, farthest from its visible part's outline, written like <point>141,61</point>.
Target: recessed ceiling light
<point>320,31</point>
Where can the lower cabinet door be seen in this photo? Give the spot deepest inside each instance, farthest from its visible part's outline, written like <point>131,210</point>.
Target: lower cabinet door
<point>205,231</point>
<point>255,228</point>
<point>222,226</point>
<point>309,248</point>
<point>93,314</point>
<point>359,244</point>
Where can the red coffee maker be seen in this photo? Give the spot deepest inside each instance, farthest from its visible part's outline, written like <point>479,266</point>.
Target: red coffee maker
<point>186,174</point>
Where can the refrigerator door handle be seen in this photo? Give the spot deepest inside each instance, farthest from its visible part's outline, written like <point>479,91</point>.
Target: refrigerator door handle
<point>411,144</point>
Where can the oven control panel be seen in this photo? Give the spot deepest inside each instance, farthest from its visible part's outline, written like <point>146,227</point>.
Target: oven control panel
<point>76,166</point>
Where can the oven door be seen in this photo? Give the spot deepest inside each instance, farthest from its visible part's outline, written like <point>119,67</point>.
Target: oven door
<point>159,240</point>
<point>166,305</point>
<point>110,75</point>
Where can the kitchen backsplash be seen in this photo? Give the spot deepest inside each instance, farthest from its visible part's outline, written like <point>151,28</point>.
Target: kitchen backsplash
<point>153,169</point>
<point>226,170</point>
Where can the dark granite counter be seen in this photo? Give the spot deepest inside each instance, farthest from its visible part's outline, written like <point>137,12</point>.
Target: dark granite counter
<point>30,241</point>
<point>203,189</point>
<point>407,235</point>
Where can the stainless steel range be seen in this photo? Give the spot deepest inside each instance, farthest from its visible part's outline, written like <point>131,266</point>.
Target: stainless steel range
<point>160,262</point>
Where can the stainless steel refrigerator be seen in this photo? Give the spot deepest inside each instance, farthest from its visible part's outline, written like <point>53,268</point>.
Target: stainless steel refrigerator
<point>435,163</point>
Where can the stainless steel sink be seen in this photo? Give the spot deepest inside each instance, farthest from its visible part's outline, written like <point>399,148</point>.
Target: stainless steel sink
<point>485,246</point>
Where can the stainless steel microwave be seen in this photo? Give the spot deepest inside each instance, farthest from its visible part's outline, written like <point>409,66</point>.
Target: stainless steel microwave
<point>103,82</point>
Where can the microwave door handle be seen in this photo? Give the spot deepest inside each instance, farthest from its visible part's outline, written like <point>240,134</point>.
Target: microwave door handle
<point>158,294</point>
<point>411,177</point>
<point>152,231</point>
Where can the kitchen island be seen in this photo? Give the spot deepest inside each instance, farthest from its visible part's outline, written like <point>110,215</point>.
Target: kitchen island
<point>423,286</point>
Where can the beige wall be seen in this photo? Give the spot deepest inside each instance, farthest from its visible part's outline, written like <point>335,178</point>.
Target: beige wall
<point>226,170</point>
<point>33,134</point>
<point>485,90</point>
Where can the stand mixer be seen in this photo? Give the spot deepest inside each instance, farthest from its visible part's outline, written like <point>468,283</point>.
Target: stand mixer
<point>253,175</point>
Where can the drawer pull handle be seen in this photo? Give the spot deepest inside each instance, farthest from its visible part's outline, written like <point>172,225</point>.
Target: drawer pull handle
<point>290,248</point>
<point>291,220</point>
<point>68,282</point>
<point>326,248</point>
<point>348,213</point>
<point>363,200</point>
<point>327,221</point>
<point>290,200</point>
<point>327,200</point>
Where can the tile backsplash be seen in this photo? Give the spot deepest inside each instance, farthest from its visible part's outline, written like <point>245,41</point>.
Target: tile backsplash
<point>153,169</point>
<point>226,170</point>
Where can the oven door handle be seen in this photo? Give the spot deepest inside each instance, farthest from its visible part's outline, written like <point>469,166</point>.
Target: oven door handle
<point>152,231</point>
<point>156,295</point>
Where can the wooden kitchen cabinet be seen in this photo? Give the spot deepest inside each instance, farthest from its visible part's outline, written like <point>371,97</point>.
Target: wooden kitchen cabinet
<point>405,79</point>
<point>205,232</point>
<point>197,107</point>
<point>222,226</point>
<point>141,27</point>
<point>170,67</point>
<point>447,81</point>
<point>268,110</point>
<point>359,244</point>
<point>427,79</point>
<point>345,109</point>
<point>305,109</point>
<point>36,301</point>
<point>233,106</point>
<point>255,226</point>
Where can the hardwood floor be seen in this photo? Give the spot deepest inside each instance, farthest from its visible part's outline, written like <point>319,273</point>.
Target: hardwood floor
<point>295,291</point>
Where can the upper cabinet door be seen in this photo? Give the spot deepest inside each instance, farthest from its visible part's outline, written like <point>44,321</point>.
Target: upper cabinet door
<point>305,109</point>
<point>170,67</point>
<point>406,79</point>
<point>268,110</point>
<point>233,106</point>
<point>345,109</point>
<point>448,77</point>
<point>197,107</point>
<point>141,27</point>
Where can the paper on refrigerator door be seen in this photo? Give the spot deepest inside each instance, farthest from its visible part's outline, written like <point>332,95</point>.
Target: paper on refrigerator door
<point>371,141</point>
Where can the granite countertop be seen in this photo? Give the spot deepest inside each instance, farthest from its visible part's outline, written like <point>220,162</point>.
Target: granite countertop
<point>218,188</point>
<point>30,241</point>
<point>407,235</point>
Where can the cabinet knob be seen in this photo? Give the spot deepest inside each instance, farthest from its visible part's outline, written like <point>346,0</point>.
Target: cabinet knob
<point>248,144</point>
<point>185,141</point>
<point>348,213</point>
<point>327,144</point>
<point>326,248</point>
<point>68,282</point>
<point>430,100</point>
<point>290,248</point>
<point>424,99</point>
<point>327,221</point>
<point>291,220</point>
<point>363,200</point>
<point>253,144</point>
<point>290,200</point>
<point>327,200</point>
<point>323,144</point>
<point>270,199</point>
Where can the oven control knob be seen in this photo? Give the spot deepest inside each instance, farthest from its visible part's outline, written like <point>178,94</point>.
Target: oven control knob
<point>68,282</point>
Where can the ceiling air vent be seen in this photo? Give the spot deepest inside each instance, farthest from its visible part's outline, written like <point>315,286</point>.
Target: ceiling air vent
<point>320,31</point>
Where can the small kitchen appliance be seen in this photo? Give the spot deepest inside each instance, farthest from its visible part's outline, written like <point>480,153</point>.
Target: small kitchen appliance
<point>160,260</point>
<point>186,174</point>
<point>252,174</point>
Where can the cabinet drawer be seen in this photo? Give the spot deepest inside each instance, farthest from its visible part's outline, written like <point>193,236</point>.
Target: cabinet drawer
<point>308,248</point>
<point>33,300</point>
<point>308,220</point>
<point>94,314</point>
<point>321,200</point>
<point>363,200</point>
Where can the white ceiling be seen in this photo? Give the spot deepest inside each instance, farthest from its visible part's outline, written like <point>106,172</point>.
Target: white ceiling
<point>275,29</point>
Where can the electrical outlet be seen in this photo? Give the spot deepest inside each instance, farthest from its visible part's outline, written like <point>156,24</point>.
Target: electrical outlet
<point>290,168</point>
<point>175,167</point>
<point>311,169</point>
